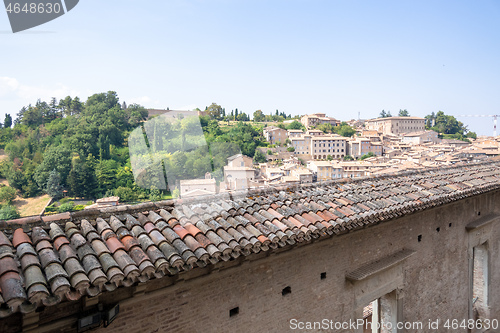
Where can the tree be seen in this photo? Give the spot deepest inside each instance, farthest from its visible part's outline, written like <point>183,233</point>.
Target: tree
<point>348,158</point>
<point>175,193</point>
<point>135,114</point>
<point>365,156</point>
<point>384,114</point>
<point>258,116</point>
<point>472,135</point>
<point>259,157</point>
<point>154,194</point>
<point>344,130</point>
<point>242,117</point>
<point>58,158</point>
<point>403,113</point>
<point>294,125</point>
<point>105,172</point>
<point>7,194</point>
<point>215,111</point>
<point>7,123</point>
<point>81,179</point>
<point>447,124</point>
<point>126,194</point>
<point>290,149</point>
<point>326,128</point>
<point>54,188</point>
<point>430,120</point>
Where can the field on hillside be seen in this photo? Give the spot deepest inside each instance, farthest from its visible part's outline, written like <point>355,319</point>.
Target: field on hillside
<point>29,206</point>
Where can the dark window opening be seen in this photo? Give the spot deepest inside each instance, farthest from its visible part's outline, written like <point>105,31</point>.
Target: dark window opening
<point>234,311</point>
<point>323,275</point>
<point>438,229</point>
<point>478,213</point>
<point>449,225</point>
<point>286,291</point>
<point>419,238</point>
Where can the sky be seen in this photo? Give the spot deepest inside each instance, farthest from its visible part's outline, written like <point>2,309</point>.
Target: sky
<point>338,57</point>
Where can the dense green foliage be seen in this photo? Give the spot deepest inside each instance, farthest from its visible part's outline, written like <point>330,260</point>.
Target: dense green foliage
<point>384,114</point>
<point>365,156</point>
<point>295,125</point>
<point>70,145</point>
<point>387,114</point>
<point>83,147</point>
<point>448,126</point>
<point>403,113</point>
<point>54,188</point>
<point>7,194</point>
<point>259,116</point>
<point>343,130</point>
<point>7,123</point>
<point>259,157</point>
<point>8,212</point>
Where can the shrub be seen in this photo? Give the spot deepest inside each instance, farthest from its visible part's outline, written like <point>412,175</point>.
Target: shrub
<point>7,194</point>
<point>8,212</point>
<point>79,207</point>
<point>126,194</point>
<point>66,207</point>
<point>51,209</point>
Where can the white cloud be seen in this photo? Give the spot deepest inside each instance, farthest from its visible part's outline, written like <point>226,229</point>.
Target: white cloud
<point>145,101</point>
<point>11,88</point>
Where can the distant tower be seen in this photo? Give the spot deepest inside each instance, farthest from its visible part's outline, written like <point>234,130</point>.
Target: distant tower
<point>359,115</point>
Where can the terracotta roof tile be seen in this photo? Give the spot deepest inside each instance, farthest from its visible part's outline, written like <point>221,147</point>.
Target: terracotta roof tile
<point>114,244</point>
<point>20,237</point>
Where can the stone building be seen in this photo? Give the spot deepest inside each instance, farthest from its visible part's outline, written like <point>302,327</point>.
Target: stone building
<point>318,118</point>
<point>275,135</point>
<point>418,138</point>
<point>328,145</point>
<point>419,246</point>
<point>396,125</point>
<point>358,147</point>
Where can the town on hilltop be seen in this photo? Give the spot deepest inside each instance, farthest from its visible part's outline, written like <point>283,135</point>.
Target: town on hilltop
<point>70,155</point>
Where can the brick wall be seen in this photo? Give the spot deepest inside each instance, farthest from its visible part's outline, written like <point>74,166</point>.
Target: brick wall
<point>436,281</point>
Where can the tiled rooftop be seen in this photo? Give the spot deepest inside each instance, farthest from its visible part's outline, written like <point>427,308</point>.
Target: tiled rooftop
<point>48,260</point>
